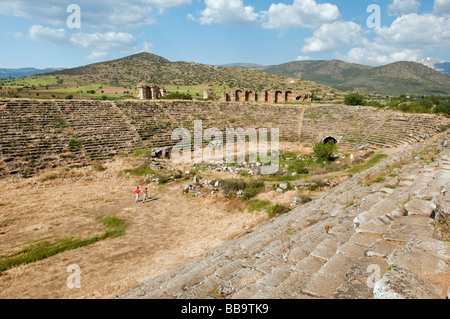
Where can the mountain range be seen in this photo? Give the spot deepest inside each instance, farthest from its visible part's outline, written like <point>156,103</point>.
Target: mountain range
<point>317,76</point>
<point>24,72</point>
<point>393,79</point>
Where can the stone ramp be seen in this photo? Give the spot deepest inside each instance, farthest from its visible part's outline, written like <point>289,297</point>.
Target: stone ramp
<point>336,246</point>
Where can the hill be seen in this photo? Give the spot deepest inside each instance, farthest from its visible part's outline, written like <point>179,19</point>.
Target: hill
<point>393,79</point>
<point>150,68</point>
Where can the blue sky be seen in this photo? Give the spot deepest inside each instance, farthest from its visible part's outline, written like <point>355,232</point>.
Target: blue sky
<point>38,34</point>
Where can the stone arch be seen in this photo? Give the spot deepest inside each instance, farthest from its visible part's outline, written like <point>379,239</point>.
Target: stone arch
<point>239,96</point>
<point>330,138</point>
<point>148,93</point>
<point>288,96</point>
<point>278,96</point>
<point>250,96</point>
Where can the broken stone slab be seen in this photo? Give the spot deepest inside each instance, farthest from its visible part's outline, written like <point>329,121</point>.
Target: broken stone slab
<point>404,228</point>
<point>434,247</point>
<point>418,261</point>
<point>363,269</point>
<point>380,248</point>
<point>419,207</point>
<point>400,283</point>
<point>353,289</point>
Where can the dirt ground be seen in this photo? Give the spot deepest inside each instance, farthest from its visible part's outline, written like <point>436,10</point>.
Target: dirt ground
<point>166,231</point>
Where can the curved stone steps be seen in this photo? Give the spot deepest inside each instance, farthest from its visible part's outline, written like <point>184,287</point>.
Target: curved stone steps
<point>317,250</point>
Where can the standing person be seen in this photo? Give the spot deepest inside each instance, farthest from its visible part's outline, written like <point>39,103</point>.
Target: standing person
<point>145,194</point>
<point>137,192</point>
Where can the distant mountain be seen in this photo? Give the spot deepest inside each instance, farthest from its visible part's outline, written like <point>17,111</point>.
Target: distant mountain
<point>393,79</point>
<point>150,68</point>
<point>248,66</point>
<point>443,67</point>
<point>23,72</point>
<point>437,64</point>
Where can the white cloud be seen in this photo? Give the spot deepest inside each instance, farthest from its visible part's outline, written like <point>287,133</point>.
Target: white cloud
<point>98,56</point>
<point>228,12</point>
<point>442,7</point>
<point>44,34</point>
<point>333,35</point>
<point>148,47</point>
<point>302,13</point>
<point>303,58</point>
<point>407,39</point>
<point>99,43</point>
<point>399,7</point>
<point>373,53</point>
<point>417,31</point>
<point>95,15</point>
<point>103,41</point>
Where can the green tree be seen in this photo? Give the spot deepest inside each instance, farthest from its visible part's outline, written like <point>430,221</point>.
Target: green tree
<point>324,152</point>
<point>354,99</point>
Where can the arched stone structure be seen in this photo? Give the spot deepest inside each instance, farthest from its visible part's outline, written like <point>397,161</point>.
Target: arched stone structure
<point>150,92</point>
<point>330,138</point>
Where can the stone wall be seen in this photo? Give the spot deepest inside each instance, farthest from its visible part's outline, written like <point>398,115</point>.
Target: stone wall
<point>274,96</point>
<point>37,134</point>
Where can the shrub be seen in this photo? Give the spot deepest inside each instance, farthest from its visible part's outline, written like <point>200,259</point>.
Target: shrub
<point>278,209</point>
<point>178,96</point>
<point>98,167</point>
<point>75,144</point>
<point>325,152</point>
<point>354,99</point>
<point>375,104</point>
<point>298,167</point>
<point>250,189</point>
<point>69,97</point>
<point>442,108</point>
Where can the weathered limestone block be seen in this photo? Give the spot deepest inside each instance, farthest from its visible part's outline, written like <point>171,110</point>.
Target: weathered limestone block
<point>402,284</point>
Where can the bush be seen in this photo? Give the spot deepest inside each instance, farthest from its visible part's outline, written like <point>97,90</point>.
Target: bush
<point>69,97</point>
<point>375,104</point>
<point>325,152</point>
<point>442,108</point>
<point>298,167</point>
<point>250,189</point>
<point>178,96</point>
<point>278,209</point>
<point>75,144</point>
<point>354,99</point>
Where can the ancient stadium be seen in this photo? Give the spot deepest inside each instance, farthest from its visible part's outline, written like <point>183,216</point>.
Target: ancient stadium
<point>370,224</point>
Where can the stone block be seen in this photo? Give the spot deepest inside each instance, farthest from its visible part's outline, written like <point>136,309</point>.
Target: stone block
<point>403,284</point>
<point>353,289</point>
<point>381,248</point>
<point>322,285</point>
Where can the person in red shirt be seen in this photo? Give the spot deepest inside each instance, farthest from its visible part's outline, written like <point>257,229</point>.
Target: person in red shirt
<point>137,192</point>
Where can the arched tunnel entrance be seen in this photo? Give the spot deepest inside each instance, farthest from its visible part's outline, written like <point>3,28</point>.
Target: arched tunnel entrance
<point>330,139</point>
